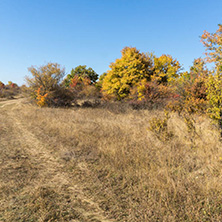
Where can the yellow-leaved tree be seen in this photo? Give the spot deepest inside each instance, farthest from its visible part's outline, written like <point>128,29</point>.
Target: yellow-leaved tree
<point>214,95</point>
<point>126,72</point>
<point>166,69</point>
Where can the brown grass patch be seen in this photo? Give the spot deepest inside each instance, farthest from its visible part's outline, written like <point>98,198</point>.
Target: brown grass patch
<point>108,163</point>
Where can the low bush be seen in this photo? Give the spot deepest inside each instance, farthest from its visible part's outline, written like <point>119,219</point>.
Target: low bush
<point>159,126</point>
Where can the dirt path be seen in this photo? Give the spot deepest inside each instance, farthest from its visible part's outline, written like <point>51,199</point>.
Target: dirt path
<point>11,102</point>
<point>62,195</point>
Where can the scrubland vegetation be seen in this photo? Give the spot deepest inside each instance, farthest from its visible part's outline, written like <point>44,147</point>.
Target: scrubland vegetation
<point>142,143</point>
<point>9,91</point>
<point>55,160</point>
<point>140,79</point>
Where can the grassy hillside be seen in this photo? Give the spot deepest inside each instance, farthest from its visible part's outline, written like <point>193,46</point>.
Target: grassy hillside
<point>107,165</point>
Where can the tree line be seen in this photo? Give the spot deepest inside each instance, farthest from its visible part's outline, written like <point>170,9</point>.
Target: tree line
<point>139,79</point>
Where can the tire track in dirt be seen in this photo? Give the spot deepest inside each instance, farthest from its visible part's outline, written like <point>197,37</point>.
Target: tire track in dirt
<point>11,102</point>
<point>50,166</point>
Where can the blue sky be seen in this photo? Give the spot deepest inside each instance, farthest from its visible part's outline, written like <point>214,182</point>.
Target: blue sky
<point>93,32</point>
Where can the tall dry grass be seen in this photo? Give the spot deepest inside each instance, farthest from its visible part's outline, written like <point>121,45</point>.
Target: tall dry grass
<point>127,169</point>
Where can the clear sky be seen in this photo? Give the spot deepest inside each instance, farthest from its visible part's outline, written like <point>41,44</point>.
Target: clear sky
<point>93,32</point>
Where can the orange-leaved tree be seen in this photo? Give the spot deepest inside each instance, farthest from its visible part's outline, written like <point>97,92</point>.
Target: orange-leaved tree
<point>191,89</point>
<point>151,93</point>
<point>82,82</point>
<point>213,44</point>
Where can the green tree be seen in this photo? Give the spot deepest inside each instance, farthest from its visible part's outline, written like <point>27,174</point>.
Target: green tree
<point>82,72</point>
<point>126,72</point>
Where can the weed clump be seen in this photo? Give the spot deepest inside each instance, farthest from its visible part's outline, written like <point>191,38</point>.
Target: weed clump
<point>159,126</point>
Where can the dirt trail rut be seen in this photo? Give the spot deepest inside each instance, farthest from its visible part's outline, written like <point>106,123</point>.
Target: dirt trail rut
<point>11,102</point>
<point>50,167</point>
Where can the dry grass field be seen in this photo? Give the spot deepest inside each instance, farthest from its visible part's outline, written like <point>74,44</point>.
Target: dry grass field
<point>105,164</point>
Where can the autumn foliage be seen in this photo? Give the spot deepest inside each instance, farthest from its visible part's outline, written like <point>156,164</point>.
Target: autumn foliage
<point>132,68</point>
<point>41,97</point>
<point>2,85</point>
<point>82,86</point>
<point>45,86</point>
<point>213,45</point>
<point>190,89</point>
<point>83,73</point>
<point>138,78</point>
<point>136,74</point>
<point>9,90</point>
<point>165,69</point>
<point>78,83</point>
